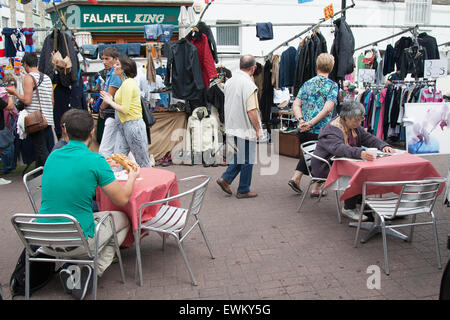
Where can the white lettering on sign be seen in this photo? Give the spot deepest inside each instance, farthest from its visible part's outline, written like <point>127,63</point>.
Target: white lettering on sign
<point>435,68</point>
<point>107,18</point>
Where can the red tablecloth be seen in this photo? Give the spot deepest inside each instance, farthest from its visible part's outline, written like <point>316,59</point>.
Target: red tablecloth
<point>391,168</point>
<point>154,185</point>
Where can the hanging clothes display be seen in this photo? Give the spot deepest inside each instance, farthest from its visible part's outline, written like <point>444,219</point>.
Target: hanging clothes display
<point>10,47</point>
<point>266,102</point>
<point>29,44</point>
<point>207,65</point>
<point>45,65</point>
<point>287,68</point>
<point>183,70</point>
<point>206,30</point>
<point>275,70</point>
<point>430,45</point>
<point>388,60</point>
<point>412,61</point>
<point>305,69</point>
<point>342,49</point>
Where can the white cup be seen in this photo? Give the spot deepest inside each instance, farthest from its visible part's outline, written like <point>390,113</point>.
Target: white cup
<point>372,151</point>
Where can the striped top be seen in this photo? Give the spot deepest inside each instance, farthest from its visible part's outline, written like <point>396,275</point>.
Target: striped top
<point>45,94</point>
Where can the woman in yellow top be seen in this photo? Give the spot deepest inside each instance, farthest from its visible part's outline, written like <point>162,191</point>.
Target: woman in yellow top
<point>132,134</point>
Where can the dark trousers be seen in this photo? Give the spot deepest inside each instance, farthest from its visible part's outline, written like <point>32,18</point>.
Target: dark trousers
<point>40,145</point>
<point>351,203</point>
<point>302,138</point>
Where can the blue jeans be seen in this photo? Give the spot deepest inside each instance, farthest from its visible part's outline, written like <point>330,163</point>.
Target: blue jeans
<point>242,163</point>
<point>8,156</point>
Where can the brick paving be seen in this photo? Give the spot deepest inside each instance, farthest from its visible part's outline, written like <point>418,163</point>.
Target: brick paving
<point>264,249</point>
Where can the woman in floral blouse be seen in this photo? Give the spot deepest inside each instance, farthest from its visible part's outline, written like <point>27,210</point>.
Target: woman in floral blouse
<point>313,108</point>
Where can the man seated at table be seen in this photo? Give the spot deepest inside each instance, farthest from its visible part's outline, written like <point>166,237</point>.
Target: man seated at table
<point>70,178</point>
<point>344,137</point>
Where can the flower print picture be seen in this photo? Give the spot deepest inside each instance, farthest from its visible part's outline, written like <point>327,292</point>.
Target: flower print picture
<point>427,127</point>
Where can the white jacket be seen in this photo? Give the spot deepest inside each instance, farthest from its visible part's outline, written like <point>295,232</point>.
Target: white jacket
<point>202,135</point>
<point>21,124</point>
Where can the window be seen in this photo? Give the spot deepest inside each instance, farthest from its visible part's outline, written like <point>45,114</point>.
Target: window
<point>417,12</point>
<point>5,22</point>
<point>228,37</point>
<point>36,7</point>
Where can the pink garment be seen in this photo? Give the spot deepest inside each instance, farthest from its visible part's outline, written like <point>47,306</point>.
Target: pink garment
<point>431,96</point>
<point>380,133</point>
<point>350,77</point>
<point>3,94</point>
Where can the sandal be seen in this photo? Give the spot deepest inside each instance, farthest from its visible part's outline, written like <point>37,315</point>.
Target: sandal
<point>316,195</point>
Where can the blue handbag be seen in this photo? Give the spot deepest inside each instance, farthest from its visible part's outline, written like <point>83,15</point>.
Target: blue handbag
<point>97,104</point>
<point>6,137</point>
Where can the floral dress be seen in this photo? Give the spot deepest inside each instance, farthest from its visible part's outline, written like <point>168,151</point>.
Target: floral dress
<point>314,94</point>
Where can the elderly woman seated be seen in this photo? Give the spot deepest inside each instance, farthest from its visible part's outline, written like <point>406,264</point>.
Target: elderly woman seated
<point>344,137</point>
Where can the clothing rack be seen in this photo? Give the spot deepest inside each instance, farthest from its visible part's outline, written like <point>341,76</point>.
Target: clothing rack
<point>412,29</point>
<point>313,27</point>
<point>444,44</point>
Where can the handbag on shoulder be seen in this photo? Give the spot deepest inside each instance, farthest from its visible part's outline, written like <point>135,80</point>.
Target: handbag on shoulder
<point>36,121</point>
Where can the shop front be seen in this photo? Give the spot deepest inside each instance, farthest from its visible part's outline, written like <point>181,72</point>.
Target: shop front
<point>118,21</point>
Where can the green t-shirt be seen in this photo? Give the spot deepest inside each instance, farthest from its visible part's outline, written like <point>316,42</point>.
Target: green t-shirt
<point>71,176</point>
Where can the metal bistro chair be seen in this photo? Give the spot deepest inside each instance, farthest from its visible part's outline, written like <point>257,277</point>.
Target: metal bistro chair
<point>33,181</point>
<point>308,153</point>
<point>173,221</point>
<point>416,198</point>
<point>59,236</point>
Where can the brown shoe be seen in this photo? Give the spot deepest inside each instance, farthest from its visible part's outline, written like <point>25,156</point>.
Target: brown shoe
<point>224,185</point>
<point>246,195</point>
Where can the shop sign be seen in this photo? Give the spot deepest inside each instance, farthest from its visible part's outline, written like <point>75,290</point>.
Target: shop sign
<point>79,16</point>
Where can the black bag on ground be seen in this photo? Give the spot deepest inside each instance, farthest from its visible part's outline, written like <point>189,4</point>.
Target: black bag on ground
<point>40,274</point>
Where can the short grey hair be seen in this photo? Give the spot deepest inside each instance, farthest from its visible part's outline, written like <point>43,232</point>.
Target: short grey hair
<point>247,61</point>
<point>352,110</point>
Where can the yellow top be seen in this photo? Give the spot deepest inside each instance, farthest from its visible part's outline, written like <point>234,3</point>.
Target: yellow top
<point>128,96</point>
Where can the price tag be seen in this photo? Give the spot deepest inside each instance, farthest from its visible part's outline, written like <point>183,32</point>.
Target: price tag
<point>435,68</point>
<point>366,75</point>
<point>328,11</point>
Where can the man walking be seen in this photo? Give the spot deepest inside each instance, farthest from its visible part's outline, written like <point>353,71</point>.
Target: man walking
<point>243,125</point>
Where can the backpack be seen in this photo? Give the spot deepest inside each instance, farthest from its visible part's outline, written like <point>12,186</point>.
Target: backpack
<point>40,274</point>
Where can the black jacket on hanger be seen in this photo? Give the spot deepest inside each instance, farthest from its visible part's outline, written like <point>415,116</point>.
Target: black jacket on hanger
<point>266,102</point>
<point>342,49</point>
<point>430,45</point>
<point>388,63</point>
<point>399,46</point>
<point>184,71</point>
<point>413,61</point>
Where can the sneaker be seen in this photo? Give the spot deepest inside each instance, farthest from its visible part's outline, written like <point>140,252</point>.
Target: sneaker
<point>4,181</point>
<point>85,283</point>
<point>294,186</point>
<point>353,214</point>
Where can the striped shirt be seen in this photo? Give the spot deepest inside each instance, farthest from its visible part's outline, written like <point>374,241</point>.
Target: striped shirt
<point>45,94</point>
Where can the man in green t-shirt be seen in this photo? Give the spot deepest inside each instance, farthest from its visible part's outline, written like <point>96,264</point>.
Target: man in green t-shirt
<point>70,179</point>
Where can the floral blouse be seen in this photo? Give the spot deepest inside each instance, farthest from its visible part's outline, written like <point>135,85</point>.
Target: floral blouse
<point>314,94</point>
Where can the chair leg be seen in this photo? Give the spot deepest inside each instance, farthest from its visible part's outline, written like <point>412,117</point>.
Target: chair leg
<point>95,279</point>
<point>436,240</point>
<point>413,220</point>
<point>355,243</point>
<point>383,232</point>
<point>119,257</point>
<point>304,196</point>
<point>27,276</point>
<point>180,246</point>
<point>204,237</point>
<point>138,268</point>
<point>338,206</point>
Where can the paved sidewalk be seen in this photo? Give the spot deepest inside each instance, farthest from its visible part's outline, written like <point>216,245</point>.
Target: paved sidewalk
<point>264,249</point>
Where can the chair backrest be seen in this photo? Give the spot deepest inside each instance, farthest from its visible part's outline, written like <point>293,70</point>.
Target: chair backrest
<point>49,234</point>
<point>417,194</point>
<point>33,183</point>
<point>198,195</point>
<point>308,149</point>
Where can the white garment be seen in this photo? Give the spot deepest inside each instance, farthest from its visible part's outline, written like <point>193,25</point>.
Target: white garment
<point>146,87</point>
<point>187,18</point>
<point>108,142</point>
<point>202,135</point>
<point>21,124</point>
